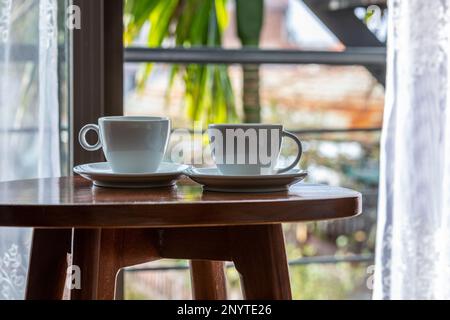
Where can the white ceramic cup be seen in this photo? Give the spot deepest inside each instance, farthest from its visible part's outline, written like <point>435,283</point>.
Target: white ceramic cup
<point>130,144</point>
<point>249,149</point>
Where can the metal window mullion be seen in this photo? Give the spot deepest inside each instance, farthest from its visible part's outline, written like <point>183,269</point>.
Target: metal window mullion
<point>351,56</point>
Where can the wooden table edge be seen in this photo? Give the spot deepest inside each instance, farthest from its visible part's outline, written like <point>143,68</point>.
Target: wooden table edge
<point>146,216</point>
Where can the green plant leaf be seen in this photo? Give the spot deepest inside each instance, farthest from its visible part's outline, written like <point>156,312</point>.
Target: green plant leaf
<point>249,17</point>
<point>208,91</point>
<point>221,14</point>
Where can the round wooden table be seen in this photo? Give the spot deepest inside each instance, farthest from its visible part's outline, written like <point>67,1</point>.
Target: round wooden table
<point>109,229</point>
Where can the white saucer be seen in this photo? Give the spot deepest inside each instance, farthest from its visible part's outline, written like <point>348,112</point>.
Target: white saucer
<point>101,175</point>
<point>213,180</point>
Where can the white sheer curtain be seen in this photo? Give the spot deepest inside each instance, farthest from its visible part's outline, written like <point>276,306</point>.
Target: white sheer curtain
<point>413,245</point>
<point>29,116</point>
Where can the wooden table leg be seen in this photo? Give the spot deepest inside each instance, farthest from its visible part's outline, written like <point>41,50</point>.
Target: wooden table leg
<point>85,256</point>
<point>208,280</point>
<point>110,264</point>
<point>122,248</point>
<point>259,256</point>
<point>48,264</point>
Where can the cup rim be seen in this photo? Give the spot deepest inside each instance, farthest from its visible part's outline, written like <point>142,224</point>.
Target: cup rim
<point>133,119</point>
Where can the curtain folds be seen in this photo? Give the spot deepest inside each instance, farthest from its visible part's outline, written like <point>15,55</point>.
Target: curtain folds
<point>29,116</point>
<point>413,241</point>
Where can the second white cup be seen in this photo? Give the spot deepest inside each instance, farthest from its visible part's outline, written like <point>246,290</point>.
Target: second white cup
<point>249,149</point>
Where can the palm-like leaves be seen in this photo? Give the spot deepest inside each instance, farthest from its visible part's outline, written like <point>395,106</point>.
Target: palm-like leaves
<point>249,18</point>
<point>208,91</point>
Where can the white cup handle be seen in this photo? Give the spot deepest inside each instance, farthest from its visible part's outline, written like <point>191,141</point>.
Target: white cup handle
<point>83,141</point>
<point>299,153</point>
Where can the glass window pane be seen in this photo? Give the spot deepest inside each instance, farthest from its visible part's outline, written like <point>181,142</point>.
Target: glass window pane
<point>283,24</point>
<point>298,96</point>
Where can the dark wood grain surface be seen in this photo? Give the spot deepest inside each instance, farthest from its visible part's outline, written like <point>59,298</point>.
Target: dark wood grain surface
<point>208,280</point>
<point>74,202</point>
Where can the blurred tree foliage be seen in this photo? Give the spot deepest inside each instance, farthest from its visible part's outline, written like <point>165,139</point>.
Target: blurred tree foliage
<point>189,23</point>
<point>209,95</point>
<point>249,20</point>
